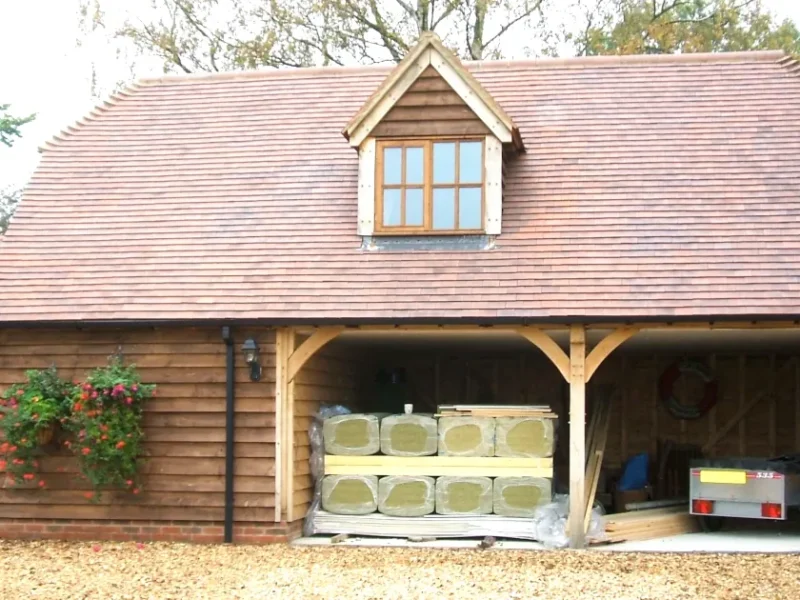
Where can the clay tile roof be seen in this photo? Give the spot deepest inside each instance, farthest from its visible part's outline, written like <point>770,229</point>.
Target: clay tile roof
<point>652,187</point>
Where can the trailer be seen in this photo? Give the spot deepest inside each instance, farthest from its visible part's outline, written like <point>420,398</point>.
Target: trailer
<point>746,488</point>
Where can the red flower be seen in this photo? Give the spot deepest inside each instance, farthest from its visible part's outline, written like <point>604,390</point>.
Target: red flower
<point>104,437</point>
<point>18,461</point>
<point>129,483</point>
<point>12,449</point>
<point>85,451</point>
<point>120,445</point>
<point>103,427</point>
<point>28,476</point>
<point>88,495</point>
<point>84,396</point>
<point>4,463</point>
<point>94,394</point>
<point>135,388</point>
<point>4,447</point>
<point>41,483</point>
<point>135,490</point>
<point>128,401</point>
<point>67,443</point>
<point>20,392</point>
<point>78,406</point>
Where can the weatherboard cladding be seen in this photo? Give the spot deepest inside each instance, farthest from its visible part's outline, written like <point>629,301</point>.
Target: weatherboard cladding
<point>651,186</point>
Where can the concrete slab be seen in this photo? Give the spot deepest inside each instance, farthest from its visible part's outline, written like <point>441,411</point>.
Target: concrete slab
<point>727,542</point>
<point>364,542</point>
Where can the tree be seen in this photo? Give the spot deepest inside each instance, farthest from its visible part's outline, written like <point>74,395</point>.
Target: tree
<point>214,35</point>
<point>9,125</point>
<point>9,199</point>
<point>670,26</point>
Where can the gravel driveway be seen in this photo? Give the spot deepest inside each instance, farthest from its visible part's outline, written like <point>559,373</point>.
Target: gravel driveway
<point>54,570</point>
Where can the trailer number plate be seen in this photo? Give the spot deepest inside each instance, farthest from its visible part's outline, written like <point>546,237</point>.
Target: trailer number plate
<point>734,477</point>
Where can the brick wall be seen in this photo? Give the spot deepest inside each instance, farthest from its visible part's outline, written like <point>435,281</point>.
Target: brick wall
<point>200,532</point>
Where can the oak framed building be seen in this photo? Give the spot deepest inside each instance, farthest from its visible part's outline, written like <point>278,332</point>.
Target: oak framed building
<point>521,231</point>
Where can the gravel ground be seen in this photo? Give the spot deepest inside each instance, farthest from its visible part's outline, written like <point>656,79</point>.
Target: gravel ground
<point>54,570</point>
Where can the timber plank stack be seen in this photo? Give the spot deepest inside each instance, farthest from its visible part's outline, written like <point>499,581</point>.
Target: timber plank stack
<point>649,524</point>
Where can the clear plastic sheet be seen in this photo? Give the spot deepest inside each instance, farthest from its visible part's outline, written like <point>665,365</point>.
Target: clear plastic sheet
<point>551,523</point>
<point>317,459</point>
<point>406,495</point>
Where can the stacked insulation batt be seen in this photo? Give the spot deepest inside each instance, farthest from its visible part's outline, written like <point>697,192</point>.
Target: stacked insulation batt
<point>409,435</point>
<point>520,496</point>
<point>463,495</point>
<point>406,495</point>
<point>350,494</point>
<point>528,437</point>
<point>351,435</point>
<point>466,436</point>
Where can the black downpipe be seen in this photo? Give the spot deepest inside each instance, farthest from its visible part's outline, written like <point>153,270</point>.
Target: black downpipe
<point>230,405</point>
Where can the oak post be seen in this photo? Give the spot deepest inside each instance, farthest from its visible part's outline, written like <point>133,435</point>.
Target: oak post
<point>577,433</point>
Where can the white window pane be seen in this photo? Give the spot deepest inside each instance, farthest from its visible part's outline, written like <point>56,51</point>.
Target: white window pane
<point>414,165</point>
<point>469,208</point>
<point>444,208</point>
<point>470,162</point>
<point>392,165</point>
<point>444,162</point>
<point>392,208</point>
<point>414,213</point>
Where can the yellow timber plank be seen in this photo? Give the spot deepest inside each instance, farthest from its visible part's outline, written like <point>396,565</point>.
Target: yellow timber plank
<point>436,471</point>
<point>437,461</point>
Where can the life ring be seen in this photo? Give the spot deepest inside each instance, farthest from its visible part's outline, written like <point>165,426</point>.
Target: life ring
<point>666,392</point>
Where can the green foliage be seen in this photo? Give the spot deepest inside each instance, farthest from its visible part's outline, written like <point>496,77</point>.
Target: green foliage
<point>106,423</point>
<point>9,125</point>
<point>30,411</point>
<point>670,26</point>
<point>9,200</point>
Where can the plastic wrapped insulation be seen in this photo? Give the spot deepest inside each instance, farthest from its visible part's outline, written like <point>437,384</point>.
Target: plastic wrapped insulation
<point>466,436</point>
<point>409,435</point>
<point>457,495</point>
<point>406,495</point>
<point>526,437</point>
<point>520,496</point>
<point>352,435</point>
<point>350,494</point>
<point>551,523</point>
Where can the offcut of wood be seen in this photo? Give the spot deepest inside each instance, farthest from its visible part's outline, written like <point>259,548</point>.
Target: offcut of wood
<point>649,524</point>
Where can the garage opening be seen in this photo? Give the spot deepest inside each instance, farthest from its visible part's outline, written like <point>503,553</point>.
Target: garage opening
<point>674,397</point>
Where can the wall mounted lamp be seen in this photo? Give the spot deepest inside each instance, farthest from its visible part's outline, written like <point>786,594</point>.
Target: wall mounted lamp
<point>250,351</point>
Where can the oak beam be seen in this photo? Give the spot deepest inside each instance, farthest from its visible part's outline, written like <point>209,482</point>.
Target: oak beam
<point>282,416</point>
<point>605,347</point>
<point>577,435</point>
<point>551,349</point>
<point>309,348</point>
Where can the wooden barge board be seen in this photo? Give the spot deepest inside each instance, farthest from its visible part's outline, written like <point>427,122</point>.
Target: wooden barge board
<point>438,466</point>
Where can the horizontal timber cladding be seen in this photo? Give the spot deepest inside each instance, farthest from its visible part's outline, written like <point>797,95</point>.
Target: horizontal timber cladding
<point>430,107</point>
<point>329,377</point>
<point>184,471</point>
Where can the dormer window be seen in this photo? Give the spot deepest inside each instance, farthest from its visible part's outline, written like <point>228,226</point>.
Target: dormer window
<point>430,186</point>
<point>431,144</point>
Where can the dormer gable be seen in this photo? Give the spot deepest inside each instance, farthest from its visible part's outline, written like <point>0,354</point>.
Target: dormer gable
<point>431,143</point>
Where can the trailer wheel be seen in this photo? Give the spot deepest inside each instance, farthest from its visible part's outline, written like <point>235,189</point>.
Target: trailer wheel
<point>711,524</point>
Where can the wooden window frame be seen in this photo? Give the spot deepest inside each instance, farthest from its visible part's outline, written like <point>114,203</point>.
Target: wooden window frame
<point>427,185</point>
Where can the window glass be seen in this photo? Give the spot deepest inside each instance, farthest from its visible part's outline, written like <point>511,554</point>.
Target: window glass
<point>392,208</point>
<point>444,208</point>
<point>414,207</point>
<point>470,162</point>
<point>469,208</point>
<point>444,162</point>
<point>392,165</point>
<point>415,171</point>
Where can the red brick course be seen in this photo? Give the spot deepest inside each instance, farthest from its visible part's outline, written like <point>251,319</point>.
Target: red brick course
<point>146,531</point>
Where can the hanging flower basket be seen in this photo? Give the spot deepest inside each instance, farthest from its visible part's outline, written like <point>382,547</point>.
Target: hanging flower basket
<point>45,435</point>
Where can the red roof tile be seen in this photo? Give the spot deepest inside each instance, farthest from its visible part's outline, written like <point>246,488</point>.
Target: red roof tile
<point>651,187</point>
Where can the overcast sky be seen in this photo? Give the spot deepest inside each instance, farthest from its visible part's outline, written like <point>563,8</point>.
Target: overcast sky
<point>43,71</point>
